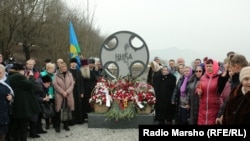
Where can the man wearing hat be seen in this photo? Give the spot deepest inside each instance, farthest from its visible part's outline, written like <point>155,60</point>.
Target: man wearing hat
<point>84,62</point>
<point>89,82</point>
<point>77,114</point>
<point>25,105</point>
<point>91,62</point>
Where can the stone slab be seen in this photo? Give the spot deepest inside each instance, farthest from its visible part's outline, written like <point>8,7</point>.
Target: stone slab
<point>100,121</point>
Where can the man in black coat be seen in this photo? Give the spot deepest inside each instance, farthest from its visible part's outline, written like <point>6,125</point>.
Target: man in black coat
<point>77,114</point>
<point>25,104</point>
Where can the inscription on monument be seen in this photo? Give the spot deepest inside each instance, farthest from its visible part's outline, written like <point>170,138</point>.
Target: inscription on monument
<point>123,54</point>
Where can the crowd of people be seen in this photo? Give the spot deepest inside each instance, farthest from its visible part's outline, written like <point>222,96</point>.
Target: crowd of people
<point>24,89</point>
<point>206,93</point>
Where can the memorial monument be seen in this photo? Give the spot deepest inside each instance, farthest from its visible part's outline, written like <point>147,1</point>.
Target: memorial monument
<point>126,52</point>
<point>123,53</point>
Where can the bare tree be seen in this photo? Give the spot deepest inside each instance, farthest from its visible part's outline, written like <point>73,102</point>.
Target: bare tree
<point>40,28</point>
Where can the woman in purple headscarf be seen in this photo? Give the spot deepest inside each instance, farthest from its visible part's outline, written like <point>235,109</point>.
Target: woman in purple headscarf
<point>184,108</point>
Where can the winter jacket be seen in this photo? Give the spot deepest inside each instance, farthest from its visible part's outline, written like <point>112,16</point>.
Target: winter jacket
<point>4,104</point>
<point>237,110</point>
<point>63,84</point>
<point>25,103</point>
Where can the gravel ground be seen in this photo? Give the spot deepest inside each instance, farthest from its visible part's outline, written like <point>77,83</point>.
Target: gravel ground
<point>83,133</point>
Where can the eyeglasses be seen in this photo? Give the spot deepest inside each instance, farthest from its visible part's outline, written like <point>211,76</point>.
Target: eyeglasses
<point>198,71</point>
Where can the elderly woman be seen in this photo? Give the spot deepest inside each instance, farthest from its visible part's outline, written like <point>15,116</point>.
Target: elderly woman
<point>237,110</point>
<point>6,95</point>
<point>63,84</point>
<point>50,71</point>
<point>182,95</point>
<point>164,109</point>
<point>194,99</point>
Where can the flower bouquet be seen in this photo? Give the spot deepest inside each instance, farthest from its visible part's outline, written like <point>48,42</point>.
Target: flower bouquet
<point>122,94</point>
<point>100,98</point>
<point>145,99</point>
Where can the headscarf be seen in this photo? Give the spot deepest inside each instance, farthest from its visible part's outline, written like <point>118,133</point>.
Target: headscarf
<point>184,84</point>
<point>215,68</point>
<point>169,69</point>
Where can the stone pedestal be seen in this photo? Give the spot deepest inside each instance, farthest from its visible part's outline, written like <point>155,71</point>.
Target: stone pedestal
<point>100,121</point>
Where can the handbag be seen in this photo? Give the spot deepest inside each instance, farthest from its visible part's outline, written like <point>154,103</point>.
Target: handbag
<point>66,114</point>
<point>48,110</point>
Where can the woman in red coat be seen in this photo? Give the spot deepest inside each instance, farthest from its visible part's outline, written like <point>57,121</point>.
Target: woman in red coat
<point>209,97</point>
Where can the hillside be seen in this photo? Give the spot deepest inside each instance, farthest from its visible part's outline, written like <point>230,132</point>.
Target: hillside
<point>38,53</point>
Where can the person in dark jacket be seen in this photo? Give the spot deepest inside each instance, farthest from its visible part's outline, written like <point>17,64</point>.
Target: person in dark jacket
<point>237,62</point>
<point>41,92</point>
<point>175,100</point>
<point>6,95</point>
<point>151,72</point>
<point>164,109</point>
<point>50,71</point>
<point>193,97</point>
<point>89,82</point>
<point>77,114</point>
<point>237,110</point>
<point>25,104</point>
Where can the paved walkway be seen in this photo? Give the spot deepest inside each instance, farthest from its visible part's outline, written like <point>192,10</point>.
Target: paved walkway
<point>83,133</point>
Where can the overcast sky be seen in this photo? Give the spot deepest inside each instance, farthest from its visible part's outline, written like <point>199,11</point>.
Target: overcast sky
<point>211,26</point>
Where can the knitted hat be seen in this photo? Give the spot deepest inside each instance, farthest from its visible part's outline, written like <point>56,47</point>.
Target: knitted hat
<point>46,78</point>
<point>84,62</point>
<point>245,72</point>
<point>73,60</point>
<point>17,67</point>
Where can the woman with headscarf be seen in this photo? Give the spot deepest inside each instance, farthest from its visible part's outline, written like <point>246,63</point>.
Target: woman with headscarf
<point>209,96</point>
<point>164,109</point>
<point>183,112</point>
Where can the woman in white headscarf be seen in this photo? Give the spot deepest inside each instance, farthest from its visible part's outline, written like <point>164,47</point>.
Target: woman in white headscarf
<point>164,109</point>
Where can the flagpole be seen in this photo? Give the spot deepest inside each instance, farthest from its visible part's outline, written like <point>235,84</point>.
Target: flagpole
<point>75,50</point>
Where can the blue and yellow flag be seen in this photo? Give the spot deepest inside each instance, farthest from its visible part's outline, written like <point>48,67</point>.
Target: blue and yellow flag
<point>74,46</point>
